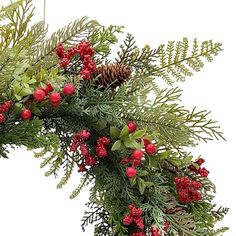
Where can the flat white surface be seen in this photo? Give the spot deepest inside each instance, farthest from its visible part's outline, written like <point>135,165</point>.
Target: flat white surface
<point>30,204</point>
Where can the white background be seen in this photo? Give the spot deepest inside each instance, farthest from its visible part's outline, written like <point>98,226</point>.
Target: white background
<point>30,204</point>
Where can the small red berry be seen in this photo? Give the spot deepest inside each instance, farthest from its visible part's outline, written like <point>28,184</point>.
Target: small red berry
<point>2,118</point>
<point>64,62</point>
<point>132,126</point>
<point>131,172</point>
<point>166,226</point>
<point>137,154</point>
<point>25,114</point>
<point>82,168</point>
<point>49,88</point>
<point>39,95</point>
<point>200,161</point>
<point>55,98</point>
<point>69,89</point>
<point>150,148</point>
<point>127,220</point>
<point>146,142</point>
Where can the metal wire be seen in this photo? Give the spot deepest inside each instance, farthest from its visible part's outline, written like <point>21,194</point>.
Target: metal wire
<point>44,10</point>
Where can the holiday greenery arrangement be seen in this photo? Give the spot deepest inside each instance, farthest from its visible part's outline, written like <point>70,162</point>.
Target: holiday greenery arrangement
<point>64,97</point>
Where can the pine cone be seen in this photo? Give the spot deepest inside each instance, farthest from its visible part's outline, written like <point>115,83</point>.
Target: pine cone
<point>114,74</point>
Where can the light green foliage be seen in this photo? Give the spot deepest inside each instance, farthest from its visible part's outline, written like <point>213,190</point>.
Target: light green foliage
<point>176,60</point>
<point>102,38</point>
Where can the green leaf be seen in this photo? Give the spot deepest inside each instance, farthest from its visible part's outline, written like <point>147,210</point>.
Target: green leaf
<point>149,184</point>
<point>20,68</point>
<point>124,132</point>
<point>175,161</point>
<point>164,155</point>
<point>133,181</point>
<point>25,92</point>
<point>129,143</point>
<point>114,133</point>
<point>138,134</point>
<point>141,185</point>
<point>116,146</point>
<point>153,161</point>
<point>187,160</point>
<point>143,173</point>
<point>18,97</point>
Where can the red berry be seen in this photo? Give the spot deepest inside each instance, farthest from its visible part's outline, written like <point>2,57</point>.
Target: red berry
<point>200,161</point>
<point>131,172</point>
<point>150,148</point>
<point>69,89</point>
<point>166,226</point>
<point>49,88</point>
<point>39,95</point>
<point>101,151</point>
<point>132,126</point>
<point>84,135</point>
<point>64,62</point>
<point>139,222</point>
<point>25,114</point>
<point>60,50</point>
<point>127,220</point>
<point>137,154</point>
<point>85,74</point>
<point>2,118</point>
<point>196,184</point>
<point>146,142</point>
<point>203,172</point>
<point>55,98</point>
<point>82,168</point>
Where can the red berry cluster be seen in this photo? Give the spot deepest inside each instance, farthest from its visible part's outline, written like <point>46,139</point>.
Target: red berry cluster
<point>88,159</point>
<point>158,232</point>
<point>4,107</point>
<point>134,217</point>
<point>187,190</point>
<point>85,50</point>
<point>201,171</point>
<point>78,139</point>
<point>100,149</point>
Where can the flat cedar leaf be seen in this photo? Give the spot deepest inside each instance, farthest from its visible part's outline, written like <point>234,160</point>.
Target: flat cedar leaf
<point>116,145</point>
<point>124,132</point>
<point>164,155</point>
<point>138,134</point>
<point>114,133</point>
<point>141,185</point>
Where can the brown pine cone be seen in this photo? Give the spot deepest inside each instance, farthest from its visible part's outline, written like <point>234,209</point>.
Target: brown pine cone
<point>112,74</point>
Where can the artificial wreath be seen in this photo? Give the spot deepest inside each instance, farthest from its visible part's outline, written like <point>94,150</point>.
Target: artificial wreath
<point>64,97</point>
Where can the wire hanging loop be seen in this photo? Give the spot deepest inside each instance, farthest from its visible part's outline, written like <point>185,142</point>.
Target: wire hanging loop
<point>44,10</point>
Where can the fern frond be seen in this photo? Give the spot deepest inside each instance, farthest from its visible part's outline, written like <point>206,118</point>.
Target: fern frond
<point>67,35</point>
<point>176,61</point>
